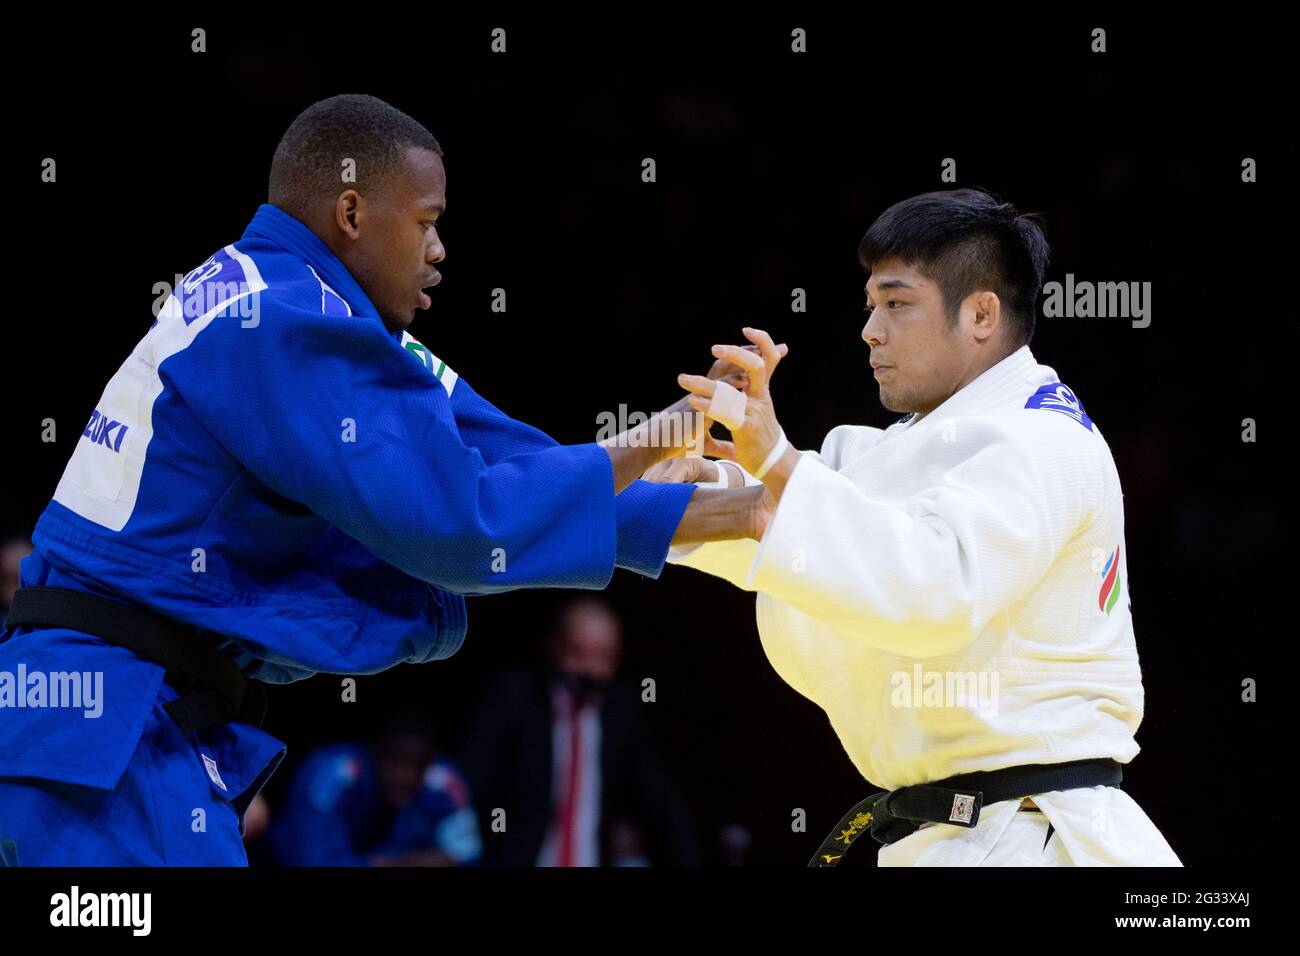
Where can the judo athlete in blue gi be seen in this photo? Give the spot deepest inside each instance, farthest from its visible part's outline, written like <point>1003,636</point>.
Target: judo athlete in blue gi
<point>394,802</point>
<point>282,472</point>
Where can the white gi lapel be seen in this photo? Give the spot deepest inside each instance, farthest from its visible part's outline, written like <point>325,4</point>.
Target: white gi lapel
<point>1013,379</point>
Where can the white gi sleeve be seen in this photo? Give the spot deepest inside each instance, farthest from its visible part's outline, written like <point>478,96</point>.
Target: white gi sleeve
<point>922,576</point>
<point>733,560</point>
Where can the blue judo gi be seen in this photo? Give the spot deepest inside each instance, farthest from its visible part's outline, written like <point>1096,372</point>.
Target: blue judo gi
<point>311,493</point>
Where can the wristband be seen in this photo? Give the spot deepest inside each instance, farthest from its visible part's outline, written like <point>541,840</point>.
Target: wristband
<point>772,456</point>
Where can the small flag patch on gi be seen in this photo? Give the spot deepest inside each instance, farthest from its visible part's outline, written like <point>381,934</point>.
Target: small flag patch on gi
<point>1110,583</point>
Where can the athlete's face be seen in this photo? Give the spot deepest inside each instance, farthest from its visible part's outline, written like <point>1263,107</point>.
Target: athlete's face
<point>390,242</point>
<point>922,358</point>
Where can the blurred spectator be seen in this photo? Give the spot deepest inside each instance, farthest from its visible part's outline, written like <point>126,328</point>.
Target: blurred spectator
<point>566,752</point>
<point>12,552</point>
<point>393,802</point>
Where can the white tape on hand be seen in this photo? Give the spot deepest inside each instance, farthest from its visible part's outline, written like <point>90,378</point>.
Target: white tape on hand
<point>727,406</point>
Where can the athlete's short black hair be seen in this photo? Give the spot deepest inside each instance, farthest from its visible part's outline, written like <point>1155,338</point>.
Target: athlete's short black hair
<point>966,240</point>
<point>308,163</point>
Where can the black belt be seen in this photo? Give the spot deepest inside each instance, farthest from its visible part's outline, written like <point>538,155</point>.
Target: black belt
<point>215,689</point>
<point>893,814</point>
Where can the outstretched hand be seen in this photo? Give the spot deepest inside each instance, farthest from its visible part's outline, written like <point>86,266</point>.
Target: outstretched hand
<point>749,369</point>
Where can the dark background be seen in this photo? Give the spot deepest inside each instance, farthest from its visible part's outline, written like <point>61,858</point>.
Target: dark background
<point>770,167</point>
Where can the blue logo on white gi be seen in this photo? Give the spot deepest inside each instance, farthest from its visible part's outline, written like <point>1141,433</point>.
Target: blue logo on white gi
<point>1056,397</point>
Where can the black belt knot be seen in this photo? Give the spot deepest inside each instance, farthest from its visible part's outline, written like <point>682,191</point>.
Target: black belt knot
<point>891,815</point>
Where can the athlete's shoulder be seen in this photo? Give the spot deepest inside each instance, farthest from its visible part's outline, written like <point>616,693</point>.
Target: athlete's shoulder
<point>1050,424</point>
<point>1059,399</point>
<point>242,285</point>
<point>1045,413</point>
<point>255,301</point>
<point>1053,414</point>
<point>289,281</point>
<point>227,283</point>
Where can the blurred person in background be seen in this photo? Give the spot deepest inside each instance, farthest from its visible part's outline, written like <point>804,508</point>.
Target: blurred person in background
<point>566,753</point>
<point>392,802</point>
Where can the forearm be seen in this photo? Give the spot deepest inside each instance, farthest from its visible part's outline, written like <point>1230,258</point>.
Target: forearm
<point>718,514</point>
<point>631,462</point>
<point>633,451</point>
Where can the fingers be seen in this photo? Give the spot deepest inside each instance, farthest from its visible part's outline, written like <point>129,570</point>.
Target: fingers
<point>747,358</point>
<point>719,448</point>
<point>665,472</point>
<point>726,371</point>
<point>735,478</point>
<point>657,471</point>
<point>705,395</point>
<point>681,471</point>
<point>737,378</point>
<point>753,364</point>
<point>698,385</point>
<point>782,348</point>
<point>756,361</point>
<point>766,347</point>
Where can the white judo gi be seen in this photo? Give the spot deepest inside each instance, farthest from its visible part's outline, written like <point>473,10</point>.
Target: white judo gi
<point>953,592</point>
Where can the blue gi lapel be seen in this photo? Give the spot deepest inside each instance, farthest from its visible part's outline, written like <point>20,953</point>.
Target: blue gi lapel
<point>284,230</point>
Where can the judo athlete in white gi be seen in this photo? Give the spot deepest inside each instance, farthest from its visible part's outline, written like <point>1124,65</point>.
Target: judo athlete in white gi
<point>975,545</point>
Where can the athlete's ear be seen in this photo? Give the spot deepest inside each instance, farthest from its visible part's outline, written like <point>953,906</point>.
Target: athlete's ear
<point>347,213</point>
<point>986,309</point>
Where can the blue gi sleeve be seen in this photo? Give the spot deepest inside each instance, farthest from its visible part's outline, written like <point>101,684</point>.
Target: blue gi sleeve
<point>647,514</point>
<point>331,412</point>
